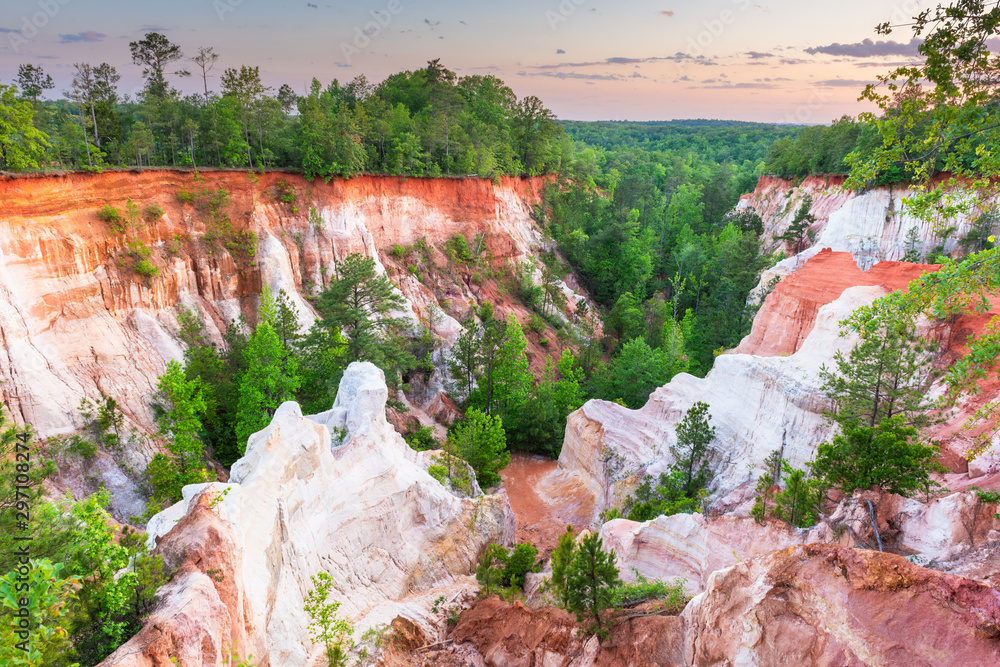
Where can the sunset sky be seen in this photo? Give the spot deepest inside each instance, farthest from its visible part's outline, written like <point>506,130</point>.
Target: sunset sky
<point>774,60</point>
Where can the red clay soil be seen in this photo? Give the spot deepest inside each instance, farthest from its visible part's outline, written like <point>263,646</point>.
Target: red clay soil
<point>542,501</point>
<point>512,635</point>
<point>789,312</point>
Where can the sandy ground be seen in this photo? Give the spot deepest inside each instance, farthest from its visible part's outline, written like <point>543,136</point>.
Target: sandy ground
<point>544,500</point>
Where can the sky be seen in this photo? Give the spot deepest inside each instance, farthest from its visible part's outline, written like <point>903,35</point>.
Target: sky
<point>787,61</point>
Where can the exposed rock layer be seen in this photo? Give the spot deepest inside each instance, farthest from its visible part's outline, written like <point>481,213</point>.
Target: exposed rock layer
<point>389,535</point>
<point>74,322</point>
<point>809,605</point>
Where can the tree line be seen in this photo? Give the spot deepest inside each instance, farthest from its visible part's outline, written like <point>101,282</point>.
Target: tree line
<point>423,122</point>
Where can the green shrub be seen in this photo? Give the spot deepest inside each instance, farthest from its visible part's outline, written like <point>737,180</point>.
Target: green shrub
<point>421,439</point>
<point>499,567</point>
<point>398,251</point>
<point>110,214</point>
<point>537,324</point>
<point>991,496</point>
<point>114,217</point>
<point>440,473</point>
<point>144,267</point>
<point>520,562</point>
<point>672,593</point>
<point>458,246</point>
<point>139,250</point>
<point>283,191</point>
<point>152,213</point>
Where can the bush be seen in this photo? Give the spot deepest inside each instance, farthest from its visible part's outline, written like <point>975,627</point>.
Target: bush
<point>114,217</point>
<point>888,455</point>
<point>110,214</point>
<point>498,567</point>
<point>152,213</point>
<point>458,247</point>
<point>146,268</point>
<point>672,593</point>
<point>537,324</point>
<point>421,439</point>
<point>665,499</point>
<point>990,496</point>
<point>520,562</point>
<point>284,192</point>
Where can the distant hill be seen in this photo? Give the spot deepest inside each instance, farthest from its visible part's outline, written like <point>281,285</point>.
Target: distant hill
<point>733,141</point>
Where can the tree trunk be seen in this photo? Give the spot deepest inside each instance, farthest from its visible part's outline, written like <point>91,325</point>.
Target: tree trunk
<point>93,116</point>
<point>86,143</point>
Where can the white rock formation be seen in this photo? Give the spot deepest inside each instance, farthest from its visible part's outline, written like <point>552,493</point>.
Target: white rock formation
<point>341,493</point>
<point>873,226</point>
<point>757,405</point>
<point>949,534</point>
<point>693,547</point>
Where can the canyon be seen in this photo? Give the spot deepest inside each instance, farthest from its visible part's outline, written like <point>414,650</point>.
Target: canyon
<point>75,322</point>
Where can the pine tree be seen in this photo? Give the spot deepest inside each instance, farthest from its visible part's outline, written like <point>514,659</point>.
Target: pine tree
<point>271,379</point>
<point>888,455</point>
<point>480,440</point>
<point>562,556</point>
<point>798,230</point>
<point>590,579</point>
<point>694,435</point>
<point>798,502</point>
<point>358,304</point>
<point>513,381</point>
<point>887,373</point>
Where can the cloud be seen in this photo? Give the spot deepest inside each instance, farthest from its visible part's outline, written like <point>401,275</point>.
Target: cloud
<point>757,55</point>
<point>89,36</point>
<point>868,49</point>
<point>575,75</point>
<point>842,83</point>
<point>5,30</point>
<point>559,52</point>
<point>432,24</point>
<point>728,85</point>
<point>620,60</point>
<point>312,4</point>
<point>884,64</point>
<point>667,12</point>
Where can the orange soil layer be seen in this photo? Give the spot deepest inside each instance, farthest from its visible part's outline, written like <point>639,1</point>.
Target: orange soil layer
<point>543,502</point>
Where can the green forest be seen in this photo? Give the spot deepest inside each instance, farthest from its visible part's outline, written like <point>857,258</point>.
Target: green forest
<point>423,122</point>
